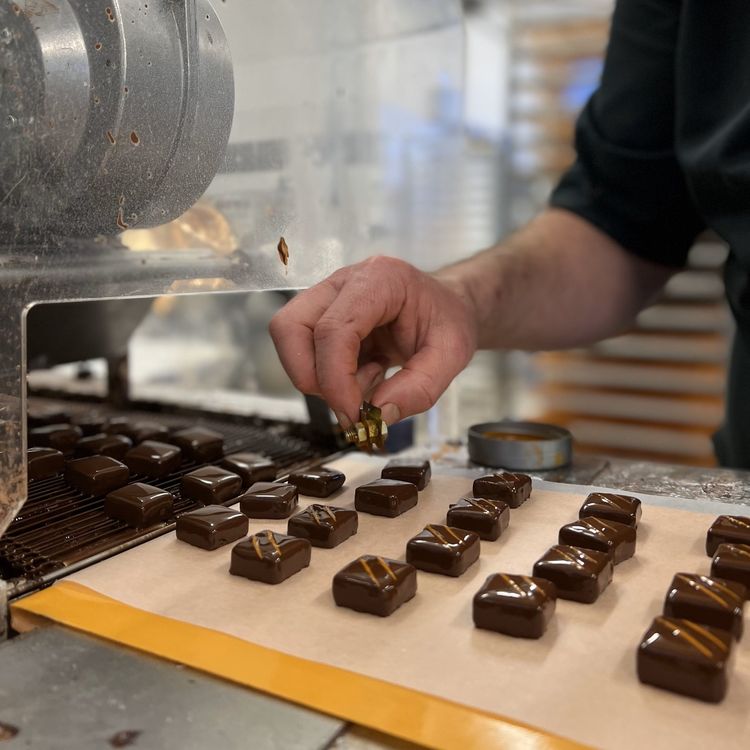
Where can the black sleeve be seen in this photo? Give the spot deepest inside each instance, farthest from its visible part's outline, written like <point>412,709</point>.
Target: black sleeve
<point>626,179</point>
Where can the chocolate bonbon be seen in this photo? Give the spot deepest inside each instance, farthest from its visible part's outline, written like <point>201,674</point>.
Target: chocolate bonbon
<point>406,470</point>
<point>488,518</point>
<point>139,505</point>
<point>199,443</point>
<point>727,529</point>
<point>317,482</point>
<point>252,467</point>
<point>684,657</point>
<point>513,489</point>
<point>39,416</point>
<point>616,539</point>
<point>96,475</point>
<point>211,527</point>
<point>140,431</point>
<point>153,458</point>
<point>709,601</point>
<point>515,605</point>
<point>324,525</point>
<point>386,497</point>
<point>114,446</point>
<point>211,485</point>
<point>612,507</point>
<point>443,549</point>
<point>62,437</point>
<point>580,575</point>
<point>42,463</point>
<point>375,585</point>
<point>90,423</point>
<point>732,562</point>
<point>269,500</point>
<point>270,557</point>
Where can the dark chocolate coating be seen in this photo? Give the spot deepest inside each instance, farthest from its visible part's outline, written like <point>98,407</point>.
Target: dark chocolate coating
<point>684,657</point>
<point>90,424</point>
<point>727,530</point>
<point>708,601</point>
<point>611,507</point>
<point>578,574</point>
<point>317,482</point>
<point>375,585</point>
<point>211,485</point>
<point>732,563</point>
<point>211,527</point>
<point>96,475</point>
<point>114,446</point>
<point>405,470</point>
<point>39,416</point>
<point>139,505</point>
<point>513,489</point>
<point>199,443</point>
<point>386,497</point>
<point>515,605</point>
<point>324,525</point>
<point>616,539</point>
<point>140,431</point>
<point>62,437</point>
<point>270,557</point>
<point>269,500</point>
<point>252,467</point>
<point>154,459</point>
<point>488,518</point>
<point>443,549</point>
<point>117,425</point>
<point>42,463</point>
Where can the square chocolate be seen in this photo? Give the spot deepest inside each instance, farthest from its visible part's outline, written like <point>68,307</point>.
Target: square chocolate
<point>732,562</point>
<point>117,425</point>
<point>252,467</point>
<point>96,475</point>
<point>727,530</point>
<point>375,585</point>
<point>39,416</point>
<point>154,459</point>
<point>407,470</point>
<point>90,423</point>
<point>442,549</point>
<point>211,527</point>
<point>708,601</point>
<point>269,500</point>
<point>515,605</point>
<point>324,525</point>
<point>611,507</point>
<point>578,574</point>
<point>42,463</point>
<point>210,485</point>
<point>513,489</point>
<point>139,505</point>
<point>114,446</point>
<point>270,557</point>
<point>140,431</point>
<point>684,657</point>
<point>616,539</point>
<point>62,437</point>
<point>386,497</point>
<point>199,443</point>
<point>317,482</point>
<point>488,518</point>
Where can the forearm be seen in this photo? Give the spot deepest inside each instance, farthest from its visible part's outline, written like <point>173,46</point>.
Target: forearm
<point>558,282</point>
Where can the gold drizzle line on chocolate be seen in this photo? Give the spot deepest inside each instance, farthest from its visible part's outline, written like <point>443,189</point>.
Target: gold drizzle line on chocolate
<point>738,522</point>
<point>707,634</point>
<point>440,537</point>
<point>272,542</point>
<point>366,566</point>
<point>514,585</point>
<point>618,501</point>
<point>607,525</point>
<point>719,585</point>
<point>575,560</point>
<point>387,569</point>
<point>738,549</point>
<point>679,633</point>
<point>530,581</point>
<point>314,514</point>
<point>256,544</point>
<point>704,589</point>
<point>329,513</point>
<point>484,505</point>
<point>590,526</point>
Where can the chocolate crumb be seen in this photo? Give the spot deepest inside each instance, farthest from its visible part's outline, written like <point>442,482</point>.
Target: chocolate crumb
<point>7,731</point>
<point>125,738</point>
<point>283,249</point>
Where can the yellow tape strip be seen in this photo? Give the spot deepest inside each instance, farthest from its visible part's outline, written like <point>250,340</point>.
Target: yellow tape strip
<point>398,711</point>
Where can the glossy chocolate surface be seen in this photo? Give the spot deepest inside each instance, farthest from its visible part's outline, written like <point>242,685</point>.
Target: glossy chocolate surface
<point>39,416</point>
<point>42,463</point>
<point>140,431</point>
<point>580,575</point>
<point>153,459</point>
<point>114,446</point>
<point>405,470</point>
<point>252,467</point>
<point>513,489</point>
<point>375,585</point>
<point>732,562</point>
<point>96,475</point>
<point>324,525</point>
<point>117,425</point>
<point>90,424</point>
<point>684,657</point>
<point>727,530</point>
<point>616,539</point>
<point>269,500</point>
<point>212,527</point>
<point>515,605</point>
<point>706,600</point>
<point>62,437</point>
<point>211,485</point>
<point>270,557</point>
<point>199,443</point>
<point>443,549</point>
<point>386,497</point>
<point>488,518</point>
<point>139,505</point>
<point>317,482</point>
<point>611,507</point>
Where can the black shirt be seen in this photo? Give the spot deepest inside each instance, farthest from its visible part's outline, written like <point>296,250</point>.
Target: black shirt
<point>664,152</point>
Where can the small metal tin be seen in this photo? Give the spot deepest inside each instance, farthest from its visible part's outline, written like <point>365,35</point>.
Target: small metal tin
<point>520,446</point>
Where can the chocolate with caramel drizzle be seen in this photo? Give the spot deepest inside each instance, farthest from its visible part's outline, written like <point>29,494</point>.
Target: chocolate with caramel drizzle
<point>324,525</point>
<point>442,549</point>
<point>727,529</point>
<point>270,557</point>
<point>579,574</point>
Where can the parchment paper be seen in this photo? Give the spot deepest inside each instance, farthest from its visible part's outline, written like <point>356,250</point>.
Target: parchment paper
<point>578,681</point>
